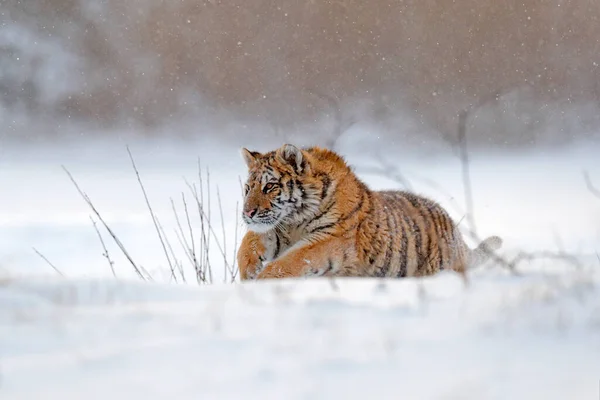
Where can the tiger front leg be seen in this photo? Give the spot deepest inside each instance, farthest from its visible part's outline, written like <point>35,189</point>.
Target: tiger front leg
<point>251,255</point>
<point>324,258</point>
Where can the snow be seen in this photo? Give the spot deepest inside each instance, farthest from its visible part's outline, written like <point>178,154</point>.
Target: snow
<point>536,337</point>
<point>531,336</point>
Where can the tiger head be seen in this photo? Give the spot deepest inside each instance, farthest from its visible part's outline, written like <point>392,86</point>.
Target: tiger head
<point>282,188</point>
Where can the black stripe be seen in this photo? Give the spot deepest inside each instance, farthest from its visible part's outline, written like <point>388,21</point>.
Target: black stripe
<point>329,267</point>
<point>403,249</point>
<point>302,166</point>
<point>277,246</point>
<point>326,183</point>
<point>365,252</point>
<point>430,221</point>
<point>325,211</point>
<point>355,209</point>
<point>418,243</point>
<point>369,212</point>
<point>388,252</point>
<point>348,229</point>
<point>449,229</point>
<point>441,228</point>
<point>300,186</point>
<point>320,228</point>
<point>397,227</point>
<point>417,231</point>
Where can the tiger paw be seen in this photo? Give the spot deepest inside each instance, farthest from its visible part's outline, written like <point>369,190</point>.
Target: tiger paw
<point>272,271</point>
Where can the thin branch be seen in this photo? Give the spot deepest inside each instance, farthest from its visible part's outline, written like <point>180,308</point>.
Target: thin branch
<point>208,215</point>
<point>227,269</point>
<point>154,219</point>
<point>389,171</point>
<point>192,240</point>
<point>588,181</point>
<point>85,197</point>
<point>235,244</point>
<point>465,166</point>
<point>168,243</point>
<point>210,228</point>
<point>205,266</point>
<point>197,270</point>
<point>105,253</point>
<point>48,262</point>
<point>188,249</point>
<point>340,126</point>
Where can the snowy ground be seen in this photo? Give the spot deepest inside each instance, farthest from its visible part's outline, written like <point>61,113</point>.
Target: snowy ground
<point>534,336</point>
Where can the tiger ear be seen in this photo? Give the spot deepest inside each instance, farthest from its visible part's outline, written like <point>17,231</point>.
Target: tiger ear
<point>291,155</point>
<point>249,156</point>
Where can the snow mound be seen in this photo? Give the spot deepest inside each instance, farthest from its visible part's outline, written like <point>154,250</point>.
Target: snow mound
<point>535,336</point>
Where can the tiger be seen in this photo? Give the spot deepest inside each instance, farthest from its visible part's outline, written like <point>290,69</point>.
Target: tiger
<point>308,214</point>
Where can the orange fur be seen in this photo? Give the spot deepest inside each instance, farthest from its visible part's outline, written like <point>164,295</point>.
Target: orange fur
<point>310,215</point>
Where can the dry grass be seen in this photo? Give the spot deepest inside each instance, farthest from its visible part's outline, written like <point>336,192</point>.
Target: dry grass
<point>194,239</point>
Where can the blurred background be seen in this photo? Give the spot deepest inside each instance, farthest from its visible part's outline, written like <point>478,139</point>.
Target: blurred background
<point>526,71</point>
<point>185,83</point>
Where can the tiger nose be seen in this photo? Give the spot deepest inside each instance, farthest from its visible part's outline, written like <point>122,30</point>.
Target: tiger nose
<point>250,213</point>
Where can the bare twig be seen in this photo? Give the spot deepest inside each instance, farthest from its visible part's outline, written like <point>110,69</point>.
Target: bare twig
<point>466,173</point>
<point>105,253</point>
<point>48,262</point>
<point>204,273</point>
<point>588,181</point>
<point>205,217</point>
<point>189,248</point>
<point>235,243</point>
<point>525,256</point>
<point>333,284</point>
<point>389,171</point>
<point>468,193</point>
<point>152,214</point>
<point>179,231</point>
<point>227,270</point>
<point>434,185</point>
<point>138,270</point>
<point>192,240</point>
<point>177,262</point>
<point>168,244</point>
<point>340,125</point>
<point>241,185</point>
<point>209,226</point>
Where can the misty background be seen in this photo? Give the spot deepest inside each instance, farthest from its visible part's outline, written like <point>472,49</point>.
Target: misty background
<point>185,83</point>
<point>526,71</point>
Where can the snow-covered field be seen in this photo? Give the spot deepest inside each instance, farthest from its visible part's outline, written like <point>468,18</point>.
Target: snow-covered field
<point>533,336</point>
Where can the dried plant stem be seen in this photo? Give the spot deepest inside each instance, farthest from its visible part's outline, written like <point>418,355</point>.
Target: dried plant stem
<point>138,270</point>
<point>152,214</point>
<point>105,253</point>
<point>43,257</point>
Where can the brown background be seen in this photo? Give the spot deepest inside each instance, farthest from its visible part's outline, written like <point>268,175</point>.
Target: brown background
<point>529,68</point>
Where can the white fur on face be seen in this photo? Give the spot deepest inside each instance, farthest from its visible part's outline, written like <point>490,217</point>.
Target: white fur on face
<point>259,227</point>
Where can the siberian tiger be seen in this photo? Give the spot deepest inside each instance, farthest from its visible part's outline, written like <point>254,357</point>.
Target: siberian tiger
<point>308,214</point>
